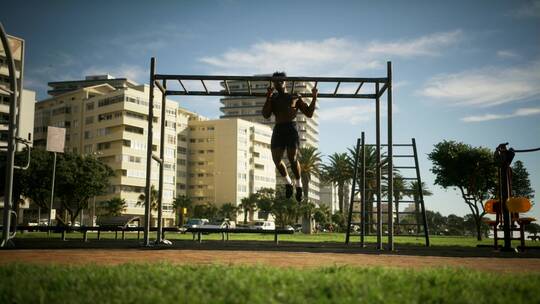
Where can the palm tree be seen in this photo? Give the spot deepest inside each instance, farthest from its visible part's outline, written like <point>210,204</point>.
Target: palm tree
<point>310,160</point>
<point>371,174</point>
<point>179,203</point>
<point>248,205</point>
<point>229,210</point>
<point>400,185</point>
<point>338,171</point>
<point>113,207</point>
<point>153,201</point>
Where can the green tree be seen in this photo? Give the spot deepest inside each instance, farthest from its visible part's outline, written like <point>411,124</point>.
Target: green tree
<point>310,160</point>
<point>265,200</point>
<point>338,171</point>
<point>533,228</point>
<point>469,169</point>
<point>436,222</point>
<point>141,201</point>
<point>455,225</point>
<point>284,210</point>
<point>521,185</point>
<point>79,178</point>
<point>211,211</point>
<point>179,203</point>
<point>371,175</point>
<point>338,219</point>
<point>228,210</point>
<point>248,205</point>
<point>113,207</point>
<point>34,182</point>
<point>322,215</point>
<point>415,188</point>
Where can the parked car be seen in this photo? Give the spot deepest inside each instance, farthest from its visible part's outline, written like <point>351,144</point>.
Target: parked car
<point>220,223</point>
<point>297,227</point>
<point>195,223</point>
<point>263,225</point>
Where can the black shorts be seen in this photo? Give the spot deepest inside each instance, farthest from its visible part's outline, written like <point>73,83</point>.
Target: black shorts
<point>285,135</point>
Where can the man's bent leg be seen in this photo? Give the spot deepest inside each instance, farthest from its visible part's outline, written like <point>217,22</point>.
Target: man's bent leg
<point>277,154</point>
<point>292,153</point>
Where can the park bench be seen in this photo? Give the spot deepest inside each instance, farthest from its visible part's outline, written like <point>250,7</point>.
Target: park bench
<point>198,232</point>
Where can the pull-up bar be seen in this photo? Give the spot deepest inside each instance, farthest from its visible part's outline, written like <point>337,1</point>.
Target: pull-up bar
<point>381,85</point>
<point>224,79</point>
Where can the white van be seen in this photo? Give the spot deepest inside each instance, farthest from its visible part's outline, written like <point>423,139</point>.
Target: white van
<point>263,225</point>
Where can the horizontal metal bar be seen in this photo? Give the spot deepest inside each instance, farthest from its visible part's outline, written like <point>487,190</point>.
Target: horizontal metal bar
<point>397,156</point>
<point>394,145</point>
<point>270,78</point>
<point>260,94</point>
<point>404,167</point>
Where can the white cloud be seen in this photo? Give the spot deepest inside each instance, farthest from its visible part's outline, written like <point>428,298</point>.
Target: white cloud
<point>506,54</point>
<point>517,113</point>
<point>485,87</point>
<point>426,45</point>
<point>332,56</point>
<point>352,114</point>
<point>132,72</point>
<point>531,9</point>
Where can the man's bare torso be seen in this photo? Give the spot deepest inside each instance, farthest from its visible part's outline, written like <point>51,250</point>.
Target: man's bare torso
<point>285,106</point>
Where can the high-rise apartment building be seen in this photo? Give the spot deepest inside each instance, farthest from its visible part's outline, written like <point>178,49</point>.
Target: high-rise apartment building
<point>228,159</point>
<point>108,118</point>
<point>25,103</point>
<point>250,108</point>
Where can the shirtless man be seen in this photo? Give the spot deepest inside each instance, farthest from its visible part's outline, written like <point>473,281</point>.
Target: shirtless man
<point>284,106</point>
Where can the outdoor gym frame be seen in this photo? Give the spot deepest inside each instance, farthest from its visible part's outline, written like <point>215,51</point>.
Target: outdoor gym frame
<point>381,85</point>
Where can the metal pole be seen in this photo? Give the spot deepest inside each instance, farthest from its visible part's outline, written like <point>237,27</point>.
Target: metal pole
<point>148,191</point>
<point>420,194</point>
<point>52,194</point>
<point>363,192</point>
<point>390,162</point>
<point>353,191</point>
<point>10,159</point>
<point>378,166</point>
<point>162,156</point>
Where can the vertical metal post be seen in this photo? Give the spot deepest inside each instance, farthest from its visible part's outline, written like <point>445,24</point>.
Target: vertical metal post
<point>162,156</point>
<point>420,194</point>
<point>52,193</point>
<point>378,166</point>
<point>390,161</point>
<point>148,191</point>
<point>10,159</point>
<point>363,192</point>
<point>353,191</point>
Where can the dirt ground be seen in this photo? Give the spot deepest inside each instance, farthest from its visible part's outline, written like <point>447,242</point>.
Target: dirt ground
<point>300,255</point>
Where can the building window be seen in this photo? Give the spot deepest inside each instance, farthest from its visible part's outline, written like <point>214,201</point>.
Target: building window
<point>89,120</point>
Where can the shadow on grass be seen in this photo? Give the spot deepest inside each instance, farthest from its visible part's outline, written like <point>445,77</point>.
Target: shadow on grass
<point>401,249</point>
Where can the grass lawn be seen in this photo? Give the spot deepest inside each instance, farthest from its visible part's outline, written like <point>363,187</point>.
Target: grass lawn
<point>297,237</point>
<point>166,283</point>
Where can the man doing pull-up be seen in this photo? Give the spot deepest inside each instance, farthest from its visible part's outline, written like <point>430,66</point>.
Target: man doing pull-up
<point>284,106</point>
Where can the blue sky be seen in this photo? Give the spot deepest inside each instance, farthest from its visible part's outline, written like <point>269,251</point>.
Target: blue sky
<point>463,70</point>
